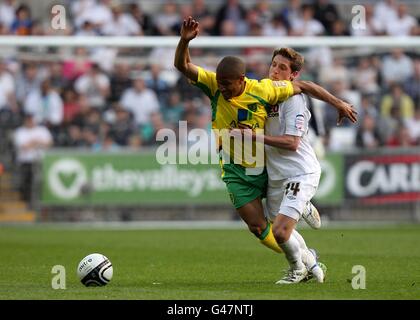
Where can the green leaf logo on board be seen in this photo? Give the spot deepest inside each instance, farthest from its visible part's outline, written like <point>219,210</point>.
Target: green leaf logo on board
<point>66,178</point>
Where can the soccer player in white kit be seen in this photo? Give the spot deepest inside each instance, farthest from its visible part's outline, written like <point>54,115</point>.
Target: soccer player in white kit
<point>293,170</point>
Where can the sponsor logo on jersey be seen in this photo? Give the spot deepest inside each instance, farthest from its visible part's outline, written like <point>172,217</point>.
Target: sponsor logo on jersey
<point>279,83</point>
<point>273,111</point>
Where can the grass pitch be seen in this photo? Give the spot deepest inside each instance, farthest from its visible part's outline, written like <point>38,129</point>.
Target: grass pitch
<point>207,264</point>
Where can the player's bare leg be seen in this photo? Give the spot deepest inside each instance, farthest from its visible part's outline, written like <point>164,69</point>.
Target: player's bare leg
<point>252,214</point>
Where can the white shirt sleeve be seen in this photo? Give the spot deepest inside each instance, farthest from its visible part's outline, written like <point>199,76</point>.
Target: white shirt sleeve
<point>296,116</point>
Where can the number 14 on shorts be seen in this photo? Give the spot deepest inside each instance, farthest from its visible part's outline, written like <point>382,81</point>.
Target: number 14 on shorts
<point>292,187</point>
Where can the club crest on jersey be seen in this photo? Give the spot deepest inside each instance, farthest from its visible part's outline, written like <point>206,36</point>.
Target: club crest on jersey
<point>300,122</point>
<point>253,107</point>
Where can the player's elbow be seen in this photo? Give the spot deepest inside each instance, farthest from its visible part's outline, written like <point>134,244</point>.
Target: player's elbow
<point>179,66</point>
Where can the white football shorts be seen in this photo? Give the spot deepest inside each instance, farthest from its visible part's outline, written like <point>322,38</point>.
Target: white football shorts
<point>289,196</point>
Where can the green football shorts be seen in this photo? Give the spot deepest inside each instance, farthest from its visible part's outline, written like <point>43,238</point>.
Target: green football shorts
<point>242,187</point>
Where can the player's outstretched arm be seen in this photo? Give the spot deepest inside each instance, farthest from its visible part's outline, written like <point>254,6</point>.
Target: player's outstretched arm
<point>345,110</point>
<point>182,61</point>
<point>286,141</point>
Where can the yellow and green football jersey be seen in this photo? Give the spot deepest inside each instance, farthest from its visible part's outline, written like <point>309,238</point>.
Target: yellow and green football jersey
<point>250,108</point>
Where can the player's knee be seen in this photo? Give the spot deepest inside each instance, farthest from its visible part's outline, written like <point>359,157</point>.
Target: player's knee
<point>281,234</point>
<point>256,228</point>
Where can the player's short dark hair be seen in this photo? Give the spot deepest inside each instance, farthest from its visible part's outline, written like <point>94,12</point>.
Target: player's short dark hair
<point>295,58</point>
<point>231,67</point>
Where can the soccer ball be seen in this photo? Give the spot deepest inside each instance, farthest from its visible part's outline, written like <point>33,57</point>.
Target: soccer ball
<point>95,270</point>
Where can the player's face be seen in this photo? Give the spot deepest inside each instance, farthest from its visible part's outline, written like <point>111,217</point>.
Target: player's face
<point>228,87</point>
<point>280,69</point>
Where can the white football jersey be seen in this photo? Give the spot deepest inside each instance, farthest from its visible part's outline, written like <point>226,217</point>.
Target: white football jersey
<point>290,117</point>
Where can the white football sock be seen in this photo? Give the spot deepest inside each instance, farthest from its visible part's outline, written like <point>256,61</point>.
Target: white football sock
<point>291,249</point>
<point>299,238</point>
<point>307,257</point>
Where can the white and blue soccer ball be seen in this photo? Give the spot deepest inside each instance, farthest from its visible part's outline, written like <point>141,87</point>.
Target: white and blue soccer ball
<point>95,270</point>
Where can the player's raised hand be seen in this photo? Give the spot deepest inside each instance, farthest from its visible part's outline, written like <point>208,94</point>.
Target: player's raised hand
<point>189,29</point>
<point>346,111</point>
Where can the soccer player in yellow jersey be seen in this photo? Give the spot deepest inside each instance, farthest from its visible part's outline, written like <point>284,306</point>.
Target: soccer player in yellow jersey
<point>237,101</point>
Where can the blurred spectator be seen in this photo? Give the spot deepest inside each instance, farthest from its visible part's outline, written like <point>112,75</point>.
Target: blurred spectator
<point>90,138</point>
<point>318,57</point>
<point>368,135</point>
<point>122,24</point>
<point>80,10</point>
<point>206,18</point>
<point>292,12</point>
<point>228,28</point>
<point>55,75</point>
<point>143,20</point>
<point>45,104</point>
<point>77,65</point>
<point>71,106</point>
<point>264,11</point>
<point>277,27</point>
<point>72,137</point>
<point>401,138</point>
<point>93,121</point>
<point>157,83</point>
<point>140,101</point>
<point>365,77</point>
<point>367,107</point>
<point>397,98</point>
<point>84,109</point>
<point>7,88</point>
<point>385,12</point>
<point>337,72</point>
<point>167,19</point>
<point>22,25</point>
<point>412,85</point>
<point>254,23</point>
<point>30,141</point>
<point>151,128</point>
<point>234,12</point>
<point>120,80</point>
<point>187,91</point>
<point>413,125</point>
<point>326,13</point>
<point>100,14</point>
<point>123,127</point>
<point>7,13</point>
<point>185,10</point>
<point>339,29</point>
<point>95,85</point>
<point>135,142</point>
<point>165,56</point>
<point>87,29</point>
<point>387,125</point>
<point>403,24</point>
<point>174,109</point>
<point>307,25</point>
<point>396,67</point>
<point>106,145</point>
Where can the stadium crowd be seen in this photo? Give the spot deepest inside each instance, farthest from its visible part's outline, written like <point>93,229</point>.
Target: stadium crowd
<point>86,100</point>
